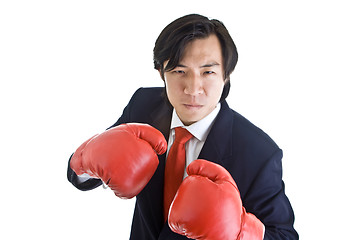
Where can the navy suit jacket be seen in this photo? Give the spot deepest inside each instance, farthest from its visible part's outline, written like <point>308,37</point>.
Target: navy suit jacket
<point>250,155</point>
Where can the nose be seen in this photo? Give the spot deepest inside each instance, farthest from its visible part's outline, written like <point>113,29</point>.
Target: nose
<point>193,85</point>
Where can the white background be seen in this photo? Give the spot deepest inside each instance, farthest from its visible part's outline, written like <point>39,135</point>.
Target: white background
<point>68,68</point>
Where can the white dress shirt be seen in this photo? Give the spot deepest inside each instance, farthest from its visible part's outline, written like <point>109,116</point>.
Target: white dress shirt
<point>200,130</point>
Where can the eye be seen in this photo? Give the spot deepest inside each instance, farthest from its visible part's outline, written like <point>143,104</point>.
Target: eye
<point>209,72</point>
<point>178,71</point>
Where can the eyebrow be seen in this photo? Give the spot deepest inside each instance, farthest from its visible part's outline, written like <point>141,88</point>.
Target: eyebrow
<point>202,66</point>
<point>210,65</point>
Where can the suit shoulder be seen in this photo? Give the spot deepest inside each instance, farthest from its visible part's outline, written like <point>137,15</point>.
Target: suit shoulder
<point>149,90</point>
<point>251,134</point>
<point>146,94</point>
<point>147,98</point>
<point>143,103</point>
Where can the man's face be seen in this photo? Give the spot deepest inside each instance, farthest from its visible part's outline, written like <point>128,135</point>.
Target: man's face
<point>195,86</point>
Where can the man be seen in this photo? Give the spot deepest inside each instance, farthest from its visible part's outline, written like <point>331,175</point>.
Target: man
<point>234,192</point>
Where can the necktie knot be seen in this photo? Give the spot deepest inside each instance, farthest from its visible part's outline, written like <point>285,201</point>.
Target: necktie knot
<point>182,135</point>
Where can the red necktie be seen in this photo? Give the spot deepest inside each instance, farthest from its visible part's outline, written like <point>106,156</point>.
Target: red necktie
<point>174,167</point>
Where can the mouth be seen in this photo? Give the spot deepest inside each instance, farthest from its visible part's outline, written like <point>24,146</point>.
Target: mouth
<point>193,106</point>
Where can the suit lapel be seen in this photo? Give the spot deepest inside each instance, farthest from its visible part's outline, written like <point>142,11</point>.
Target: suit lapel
<point>161,118</point>
<point>218,145</point>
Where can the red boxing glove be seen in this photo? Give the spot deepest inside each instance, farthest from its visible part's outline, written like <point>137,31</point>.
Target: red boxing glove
<point>208,206</point>
<point>123,157</point>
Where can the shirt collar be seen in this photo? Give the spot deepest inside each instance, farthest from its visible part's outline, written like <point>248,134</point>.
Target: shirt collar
<point>199,129</point>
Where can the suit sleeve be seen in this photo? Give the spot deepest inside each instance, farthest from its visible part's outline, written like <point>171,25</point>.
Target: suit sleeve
<point>84,186</point>
<point>92,182</point>
<point>270,204</point>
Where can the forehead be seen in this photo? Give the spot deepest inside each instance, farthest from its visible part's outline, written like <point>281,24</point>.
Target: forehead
<point>202,51</point>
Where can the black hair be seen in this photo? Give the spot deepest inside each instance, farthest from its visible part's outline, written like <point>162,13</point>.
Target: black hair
<point>173,39</point>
